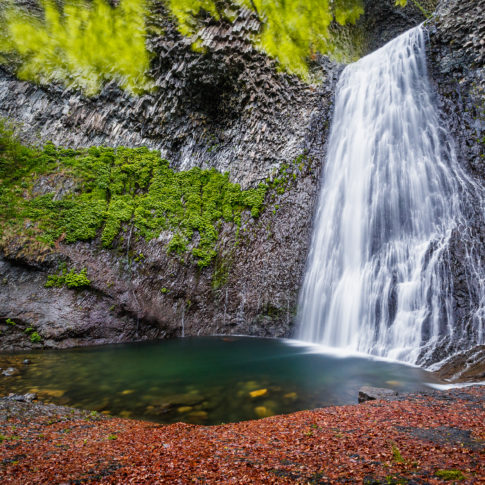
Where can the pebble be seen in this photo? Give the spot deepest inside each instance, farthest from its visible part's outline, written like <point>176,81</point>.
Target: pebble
<point>10,371</point>
<point>258,393</point>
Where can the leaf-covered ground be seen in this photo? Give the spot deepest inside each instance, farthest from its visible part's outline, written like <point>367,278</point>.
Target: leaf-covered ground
<point>432,438</point>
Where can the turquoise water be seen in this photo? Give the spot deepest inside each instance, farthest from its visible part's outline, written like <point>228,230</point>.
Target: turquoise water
<point>205,380</point>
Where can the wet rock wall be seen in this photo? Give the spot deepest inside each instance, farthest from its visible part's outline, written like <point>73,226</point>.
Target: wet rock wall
<point>456,67</point>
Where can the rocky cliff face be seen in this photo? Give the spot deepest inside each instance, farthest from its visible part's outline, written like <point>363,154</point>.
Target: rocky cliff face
<point>456,60</point>
<point>229,109</point>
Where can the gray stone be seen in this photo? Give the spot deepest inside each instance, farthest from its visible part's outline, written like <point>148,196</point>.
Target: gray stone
<point>29,397</point>
<point>10,371</point>
<point>368,393</point>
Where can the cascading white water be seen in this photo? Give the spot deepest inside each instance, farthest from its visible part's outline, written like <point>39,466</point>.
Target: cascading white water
<point>377,279</point>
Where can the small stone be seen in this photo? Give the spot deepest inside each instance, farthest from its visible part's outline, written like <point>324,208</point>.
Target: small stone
<point>10,371</point>
<point>198,414</point>
<point>29,397</point>
<point>52,392</point>
<point>262,411</point>
<point>26,362</point>
<point>368,393</point>
<point>184,409</point>
<point>258,393</point>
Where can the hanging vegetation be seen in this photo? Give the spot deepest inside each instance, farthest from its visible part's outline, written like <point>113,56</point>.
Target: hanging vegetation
<point>293,30</point>
<point>80,45</point>
<point>83,45</point>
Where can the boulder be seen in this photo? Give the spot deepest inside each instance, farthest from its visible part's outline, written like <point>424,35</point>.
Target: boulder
<point>368,393</point>
<point>29,397</point>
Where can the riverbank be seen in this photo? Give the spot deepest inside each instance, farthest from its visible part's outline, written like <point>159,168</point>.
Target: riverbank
<point>431,437</point>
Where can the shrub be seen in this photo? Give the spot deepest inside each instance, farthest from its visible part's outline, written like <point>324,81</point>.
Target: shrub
<point>35,338</point>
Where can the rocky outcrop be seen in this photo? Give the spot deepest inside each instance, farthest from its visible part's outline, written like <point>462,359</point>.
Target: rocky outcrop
<point>464,366</point>
<point>368,393</point>
<point>251,288</point>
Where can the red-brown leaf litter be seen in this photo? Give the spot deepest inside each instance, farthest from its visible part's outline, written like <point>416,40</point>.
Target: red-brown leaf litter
<point>436,437</point>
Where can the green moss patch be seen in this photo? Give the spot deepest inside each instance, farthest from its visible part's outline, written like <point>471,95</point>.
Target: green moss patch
<point>53,195</point>
<point>70,279</point>
<point>450,475</point>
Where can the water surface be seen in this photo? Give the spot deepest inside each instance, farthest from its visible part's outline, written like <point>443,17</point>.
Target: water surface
<point>207,380</point>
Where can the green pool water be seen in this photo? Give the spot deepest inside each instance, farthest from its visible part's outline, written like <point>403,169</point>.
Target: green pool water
<point>205,380</point>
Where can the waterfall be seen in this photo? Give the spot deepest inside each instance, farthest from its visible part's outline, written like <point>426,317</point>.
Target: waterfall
<point>378,278</point>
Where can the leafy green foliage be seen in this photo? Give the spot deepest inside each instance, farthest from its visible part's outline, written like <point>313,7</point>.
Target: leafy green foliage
<point>9,321</point>
<point>396,454</point>
<point>293,30</point>
<point>70,279</point>
<point>80,45</point>
<point>116,190</point>
<point>450,475</point>
<point>35,338</point>
<point>84,44</point>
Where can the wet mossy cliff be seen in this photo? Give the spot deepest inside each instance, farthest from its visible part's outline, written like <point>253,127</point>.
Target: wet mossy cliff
<point>210,234</point>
